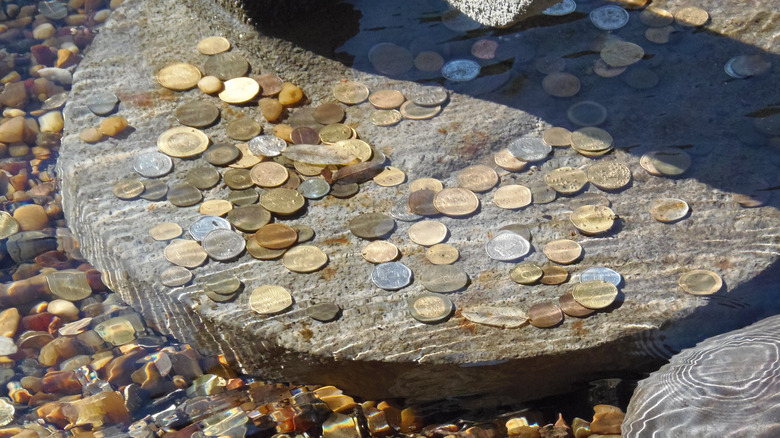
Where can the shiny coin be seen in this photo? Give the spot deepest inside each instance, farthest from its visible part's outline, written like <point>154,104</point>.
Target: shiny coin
<point>541,193</point>
<point>226,66</point>
<point>385,117</point>
<point>267,145</point>
<point>520,229</point>
<point>430,308</point>
<point>335,132</point>
<point>386,99</point>
<point>460,70</point>
<point>427,233</point>
<point>593,219</point>
<point>428,61</point>
<point>605,70</point>
<point>556,136</point>
<point>412,111</point>
<point>390,177</point>
<point>304,259</point>
<point>179,76</point>
<point>221,154</point>
<point>691,17</point>
<point>432,184</point>
<point>587,113</point>
<point>350,92</point>
<point>186,253</point>
<point>270,84</point>
<point>505,160</point>
<point>391,275</point>
<point>246,159</point>
<point>656,17</point>
<point>175,276</point>
<point>269,299</point>
<point>314,188</point>
<point>8,225</point>
<point>443,278</point>
<point>595,294</point>
<point>507,247</point>
<point>152,164</point>
<point>165,231</point>
<point>182,142</point>
<point>601,273</point>
<point>215,207</point>
<point>323,312</point>
<point>529,148</point>
<point>102,103</point>
<point>328,113</point>
<point>184,195</point>
<point>526,273</point>
<point>566,180</point>
<point>571,307</point>
<point>223,244</point>
<point>621,53</point>
<point>609,17</point>
<point>564,7</point>
<point>53,10</point>
<point>561,84</point>
<point>128,188</point>
<point>355,147</point>
<point>454,201</point>
<point>268,174</point>
<point>282,200</point>
<point>390,59</point>
<point>213,45</point>
<point>69,284</point>
<point>243,129</point>
<point>197,114</point>
<point>668,162</point>
<point>421,203</point>
<point>249,218</point>
<point>609,175</point>
<point>442,254</point>
<point>669,210</point>
<point>380,251</point>
<point>56,101</point>
<point>553,275</point>
<point>701,282</point>
<point>478,178</point>
<point>512,197</point>
<point>371,225</point>
<point>276,236</point>
<point>403,212</point>
<point>563,251</point>
<point>243,197</point>
<point>206,224</point>
<point>591,139</point>
<point>503,317</point>
<point>203,177</point>
<point>319,154</point>
<point>345,190</point>
<point>261,253</point>
<point>429,96</point>
<point>545,315</point>
<point>238,179</point>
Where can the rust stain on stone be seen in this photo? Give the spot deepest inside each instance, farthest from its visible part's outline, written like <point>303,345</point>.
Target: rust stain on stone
<point>474,142</point>
<point>341,240</point>
<point>464,324</point>
<point>144,100</point>
<point>328,273</point>
<point>577,326</point>
<point>306,334</point>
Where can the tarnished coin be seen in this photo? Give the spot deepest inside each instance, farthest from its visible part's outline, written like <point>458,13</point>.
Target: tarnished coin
<point>402,211</point>
<point>587,113</point>
<point>609,17</point>
<point>563,251</point>
<point>386,99</point>
<point>421,202</point>
<point>222,283</point>
<point>553,275</point>
<point>102,103</point>
<point>249,218</point>
<point>390,177</point>
<point>596,294</point>
<point>507,247</point>
<point>282,201</point>
<point>197,113</point>
<point>385,117</point>
<point>238,179</point>
<point>242,198</point>
<point>215,207</point>
<point>128,188</point>
<point>526,273</point>
<point>350,92</point>
<point>428,61</point>
<point>314,188</point>
<point>621,53</point>
<point>443,278</point>
<point>221,154</point>
<point>246,158</point>
<point>276,236</point>
<point>269,299</point>
<point>175,276</point>
<point>69,284</point>
<point>605,70</point>
<point>213,45</point>
<point>550,64</point>
<point>691,17</point>
<point>564,7</point>
<point>427,233</point>
<point>305,232</point>
<point>346,191</point>
<point>184,195</point>
<point>591,139</point>
<point>323,312</point>
<point>270,84</point>
<point>186,253</point>
<point>355,147</point>
<point>746,66</point>
<point>305,135</point>
<point>328,113</point>
<point>152,164</point>
<point>528,148</point>
<point>561,84</point>
<point>371,225</point>
<point>226,66</point>
<point>557,137</point>
<point>412,111</point>
<point>541,193</point>
<point>593,219</point>
<point>380,251</point>
<point>442,254</point>
<point>589,199</point>
<point>391,275</point>
<point>505,160</point>
<point>267,145</point>
<point>223,244</point>
<point>426,184</point>
<point>8,225</point>
<point>609,175</point>
<point>669,210</point>
<point>217,298</point>
<point>429,96</point>
<point>571,307</point>
<point>656,17</point>
<point>496,316</point>
<point>701,282</point>
<point>179,76</point>
<point>304,259</point>
<point>460,70</point>
<point>268,174</point>
<point>154,190</point>
<point>430,308</point>
<point>206,224</point>
<point>661,35</point>
<point>601,273</point>
<point>243,129</point>
<point>457,21</point>
<point>182,142</point>
<point>335,132</point>
<point>566,180</point>
<point>203,177</point>
<point>668,162</point>
<point>512,196</point>
<point>454,201</point>
<point>262,253</point>
<point>477,178</point>
<point>544,315</point>
<point>165,231</point>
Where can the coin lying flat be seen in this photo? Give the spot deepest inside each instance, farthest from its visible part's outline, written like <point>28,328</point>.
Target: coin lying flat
<point>430,308</point>
<point>226,66</point>
<point>519,229</point>
<point>596,294</point>
<point>701,282</point>
<point>184,195</point>
<point>350,92</point>
<point>561,84</point>
<point>328,113</point>
<point>412,111</point>
<point>668,162</point>
<point>261,253</point>
<point>557,137</point>
<point>371,225</point>
<point>428,233</point>
<point>571,307</point>
<point>206,224</point>
<point>385,117</point>
<point>223,244</point>
<point>186,253</point>
<point>249,218</point>
<point>587,113</point>
<point>179,76</point>
<point>165,231</point>
<point>621,53</point>
<point>380,251</point>
<point>182,142</point>
<point>268,174</point>
<point>420,203</point>
<point>276,236</point>
<point>102,103</point>
<point>319,154</point>
<point>282,200</point>
<point>391,275</point>
<point>175,276</point>
<point>505,160</point>
<point>323,312</point>
<point>202,177</point>
<point>609,17</point>
<point>386,99</point>
<point>460,70</point>
<point>541,193</point>
<point>563,251</point>
<point>526,273</point>
<point>564,7</point>
<point>442,254</point>
<point>691,17</point>
<point>553,274</point>
<point>335,132</point>
<point>426,184</point>
<point>601,273</point>
<point>507,247</point>
<point>243,129</point>
<point>267,145</point>
<point>69,284</point>
<point>304,259</point>
<point>669,210</point>
<point>591,139</point>
<point>197,114</point>
<point>454,201</point>
<point>593,219</point>
<point>477,178</point>
<point>269,299</point>
<point>429,96</point>
<point>152,164</point>
<point>545,315</point>
<point>128,188</point>
<point>656,17</point>
<point>222,283</point>
<point>512,196</point>
<point>314,188</point>
<point>566,180</point>
<point>528,148</point>
<point>213,45</point>
<point>443,278</point>
<point>390,177</point>
<point>496,316</point>
<point>609,175</point>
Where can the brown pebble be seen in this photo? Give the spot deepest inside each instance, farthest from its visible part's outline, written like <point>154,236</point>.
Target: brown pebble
<point>9,322</point>
<point>91,135</point>
<point>270,108</point>
<point>66,58</point>
<point>31,217</point>
<point>14,95</point>
<point>12,131</point>
<point>112,126</point>
<point>606,419</point>
<point>290,94</point>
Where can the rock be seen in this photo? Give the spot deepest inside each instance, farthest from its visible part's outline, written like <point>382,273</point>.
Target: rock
<point>9,321</point>
<point>27,245</point>
<point>498,13</point>
<point>31,217</point>
<point>112,126</point>
<point>726,383</point>
<point>290,94</point>
<point>59,75</point>
<point>606,420</point>
<point>43,31</point>
<point>12,131</point>
<point>210,84</point>
<point>64,309</point>
<point>51,122</point>
<point>14,95</point>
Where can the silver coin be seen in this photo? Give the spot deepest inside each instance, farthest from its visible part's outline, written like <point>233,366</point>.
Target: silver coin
<point>152,164</point>
<point>154,190</point>
<point>730,69</point>
<point>430,308</point>
<point>314,188</point>
<point>391,275</point>
<point>460,70</point>
<point>102,103</point>
<point>565,7</point>
<point>223,244</point>
<point>267,145</point>
<point>206,224</point>
<point>55,102</point>
<point>175,276</point>
<point>402,212</point>
<point>429,96</point>
<point>528,148</point>
<point>609,17</point>
<point>600,273</point>
<point>507,247</point>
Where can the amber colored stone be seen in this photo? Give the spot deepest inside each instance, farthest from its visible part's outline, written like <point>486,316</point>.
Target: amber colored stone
<point>52,412</point>
<point>377,422</point>
<point>91,135</point>
<point>18,394</point>
<point>119,371</point>
<point>180,382</point>
<point>32,383</point>
<point>95,280</point>
<point>339,402</point>
<point>58,350</point>
<point>66,58</point>
<point>31,217</point>
<point>284,132</point>
<point>410,421</point>
<point>55,324</point>
<point>53,259</point>
<point>9,322</point>
<point>290,94</point>
<point>64,309</point>
<point>112,126</point>
<point>38,322</point>
<point>106,407</point>
<point>12,130</point>
<point>24,291</point>
<point>150,380</point>
<point>606,420</point>
<point>61,382</point>
<point>392,413</point>
<point>14,96</point>
<point>270,108</point>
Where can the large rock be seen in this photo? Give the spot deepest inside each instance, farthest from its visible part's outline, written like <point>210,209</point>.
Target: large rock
<point>376,349</point>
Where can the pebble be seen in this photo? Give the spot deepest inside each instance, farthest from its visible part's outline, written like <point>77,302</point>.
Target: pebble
<point>112,126</point>
<point>290,94</point>
<point>31,217</point>
<point>91,135</point>
<point>270,108</point>
<point>210,84</point>
<point>52,121</point>
<point>64,309</point>
<point>12,130</point>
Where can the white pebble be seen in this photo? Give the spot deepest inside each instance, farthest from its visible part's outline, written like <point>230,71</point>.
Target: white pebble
<point>59,75</point>
<point>51,122</point>
<point>44,31</point>
<point>64,309</point>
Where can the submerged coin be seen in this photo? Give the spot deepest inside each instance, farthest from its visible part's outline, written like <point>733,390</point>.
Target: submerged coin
<point>553,275</point>
<point>323,312</point>
<point>526,273</point>
<point>503,317</point>
<point>443,278</point>
<point>545,315</point>
<point>460,70</point>
<point>179,76</point>
<point>593,219</point>
<point>605,70</point>
<point>478,178</point>
<point>371,225</point>
<point>304,259</point>
<point>128,188</point>
<point>175,276</point>
<point>430,308</point>
<point>429,96</point>
<point>691,17</point>
<point>412,111</point>
<point>507,247</point>
<point>587,113</point>
<point>249,218</point>
<point>380,251</point>
<point>609,17</point>
<point>595,294</point>
<point>512,196</point>
<point>621,53</point>
<point>701,282</point>
<point>557,137</point>
<point>669,210</point>
<point>609,175</point>
<point>428,61</point>
<point>391,275</point>
<point>53,10</point>
<point>601,273</point>
<point>427,233</point>
<point>453,201</point>
<point>222,283</point>
<point>102,103</point>
<point>186,253</point>
<point>390,59</point>
<point>165,231</point>
<point>350,92</point>
<point>564,7</point>
<point>561,84</point>
<point>656,17</point>
<point>563,251</point>
<point>182,142</point>
<point>269,299</point>
<point>197,114</point>
<point>223,244</point>
<point>8,225</point>
<point>571,307</point>
<point>528,148</point>
<point>566,180</point>
<point>206,224</point>
<point>442,254</point>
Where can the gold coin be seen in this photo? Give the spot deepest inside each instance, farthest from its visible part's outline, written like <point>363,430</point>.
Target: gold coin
<point>430,308</point>
<point>269,174</point>
<point>8,225</point>
<point>355,147</point>
<point>660,35</point>
<point>182,141</point>
<point>669,210</point>
<point>442,254</point>
<point>621,53</point>
<point>526,273</point>
<point>128,188</point>
<point>69,284</point>
<point>596,294</point>
<point>668,162</point>
<point>553,275</point>
<point>282,200</point>
<point>328,113</point>
<point>246,158</point>
<point>432,184</point>
<point>656,17</point>
<point>215,207</point>
<point>505,160</point>
<point>609,175</point>
<point>371,225</point>
<point>545,315</point>
<point>186,253</point>
<point>512,196</point>
<point>380,251</point>
<point>427,233</point>
<point>269,299</point>
<point>304,259</point>
<point>179,76</point>
<point>701,282</point>
<point>591,139</point>
<point>478,178</point>
<point>390,177</point>
<point>249,218</point>
<point>202,177</point>
<point>455,201</point>
<point>561,84</point>
<point>556,136</point>
<point>350,92</point>
<point>593,219</point>
<point>213,45</point>
<point>412,111</point>
<point>691,17</point>
<point>386,99</point>
<point>322,155</point>
<point>571,307</point>
<point>335,132</point>
<point>239,90</point>
<point>276,236</point>
<point>307,169</point>
<point>165,231</point>
<point>238,179</point>
<point>566,180</point>
<point>261,253</point>
<point>563,251</point>
<point>385,117</point>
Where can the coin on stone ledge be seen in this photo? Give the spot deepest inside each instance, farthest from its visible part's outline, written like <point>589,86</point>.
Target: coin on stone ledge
<point>182,142</point>
<point>276,236</point>
<point>526,273</point>
<point>223,245</point>
<point>371,225</point>
<point>350,92</point>
<point>428,233</point>
<point>175,276</point>
<point>701,282</point>
<point>412,111</point>
<point>179,76</point>
<point>669,210</point>
<point>596,294</point>
<point>186,253</point>
<point>165,231</point>
<point>496,316</point>
<point>380,251</point>
<point>478,178</point>
<point>282,201</point>
<point>430,308</point>
<point>442,254</point>
<point>390,177</point>
<point>128,188</point>
<point>506,161</point>
<point>571,307</point>
<point>304,259</point>
<point>385,117</point>
<point>563,251</point>
<point>593,219</point>
<point>609,175</point>
<point>553,275</point>
<point>386,99</point>
<point>213,45</point>
<point>197,114</point>
<point>323,312</point>
<point>566,180</point>
<point>443,278</point>
<point>391,275</point>
<point>426,184</point>
<point>512,197</point>
<point>545,315</point>
<point>454,201</point>
<point>222,283</point>
<point>507,247</point>
<point>269,299</point>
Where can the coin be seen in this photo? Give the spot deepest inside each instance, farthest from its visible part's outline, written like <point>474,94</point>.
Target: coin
<point>203,177</point>
<point>217,298</point>
<point>270,84</point>
<point>593,219</point>
<point>553,275</point>
<point>432,184</point>
<point>127,188</point>
<point>380,251</point>
<point>269,299</point>
<point>165,231</point>
<point>561,84</point>
<point>314,188</point>
<point>53,10</point>
<point>660,35</point>
<point>545,315</point>
<point>335,132</point>
<point>319,154</point>
<point>427,233</point>
<point>186,253</point>
<point>484,49</point>
<point>596,294</point>
<point>249,218</point>
<point>571,307</point>
<point>355,147</point>
<point>541,193</point>
<point>184,195</point>
<point>238,179</point>
<point>276,236</point>
<point>566,180</point>
<point>385,117</point>
<point>215,207</point>
<point>246,159</point>
<point>442,254</point>
<point>430,308</point>
<point>746,66</point>
<point>507,247</point>
<point>206,224</point>
<point>460,70</point>
<point>8,225</point>
<point>621,53</point>
<point>56,101</point>
<point>428,61</point>
<point>267,145</point>
<point>591,139</point>
<point>390,177</point>
<point>668,162</point>
<point>454,201</point>
<point>503,317</point>
<point>656,17</point>
<point>390,59</point>
<point>182,142</point>
<point>691,17</point>
<point>478,178</point>
<point>261,253</point>
<point>505,160</point>
<point>609,175</point>
<point>175,276</point>
<point>402,211</point>
<point>371,225</point>
<point>69,284</point>
<point>563,251</point>
<point>609,17</point>
<point>512,197</point>
<point>102,103</point>
<point>669,210</point>
<point>323,312</point>
<point>227,66</point>
<point>223,244</point>
<point>391,275</point>
<point>701,282</point>
<point>179,76</point>
<point>412,111</point>
<point>587,113</point>
<point>556,136</point>
<point>564,7</point>
<point>282,201</point>
<point>268,174</point>
<point>221,154</point>
<point>213,45</point>
<point>154,190</point>
<point>222,283</point>
<point>605,70</point>
<point>243,129</point>
<point>526,273</point>
<point>529,148</point>
<point>429,96</point>
<point>197,114</point>
<point>304,259</point>
<point>243,197</point>
<point>443,278</point>
<point>350,92</point>
<point>523,230</point>
<point>345,190</point>
<point>601,273</point>
<point>386,99</point>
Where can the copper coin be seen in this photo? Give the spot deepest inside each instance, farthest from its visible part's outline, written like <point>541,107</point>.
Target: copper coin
<point>477,178</point>
<point>270,84</point>
<point>276,236</point>
<point>213,45</point>
<point>552,275</point>
<point>268,174</point>
<point>305,135</point>
<point>571,307</point>
<point>380,251</point>
<point>421,202</point>
<point>545,315</point>
<point>455,201</point>
<point>328,113</point>
<point>371,225</point>
<point>563,251</point>
<point>386,99</point>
